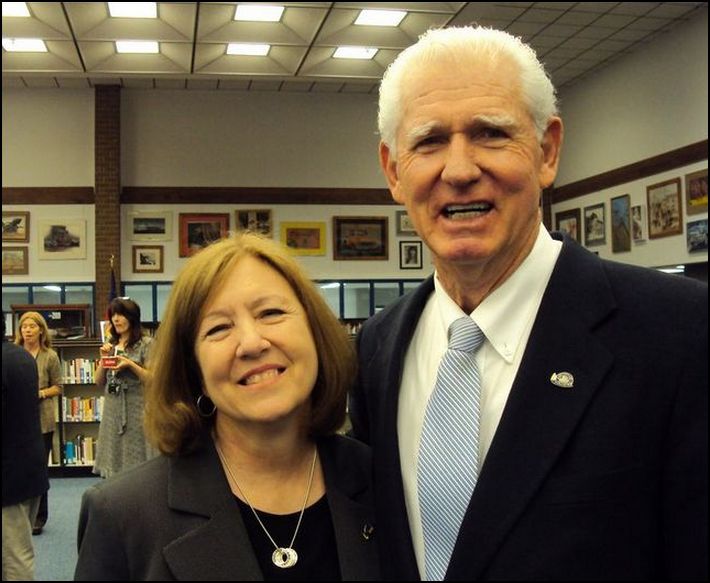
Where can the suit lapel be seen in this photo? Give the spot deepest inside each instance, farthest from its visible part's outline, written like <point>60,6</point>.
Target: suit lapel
<point>539,417</point>
<point>223,534</point>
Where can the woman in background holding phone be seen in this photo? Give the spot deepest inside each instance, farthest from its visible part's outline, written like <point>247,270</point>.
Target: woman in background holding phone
<point>122,443</point>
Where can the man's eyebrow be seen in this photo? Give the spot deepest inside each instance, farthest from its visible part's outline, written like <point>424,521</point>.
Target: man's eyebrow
<point>421,131</point>
<point>430,128</point>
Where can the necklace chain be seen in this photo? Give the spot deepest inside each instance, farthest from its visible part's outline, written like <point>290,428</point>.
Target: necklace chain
<point>283,557</point>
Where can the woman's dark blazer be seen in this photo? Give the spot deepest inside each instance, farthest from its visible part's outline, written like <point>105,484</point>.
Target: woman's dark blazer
<point>175,519</point>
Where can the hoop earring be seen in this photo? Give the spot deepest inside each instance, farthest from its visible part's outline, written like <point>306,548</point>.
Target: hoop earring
<point>202,402</point>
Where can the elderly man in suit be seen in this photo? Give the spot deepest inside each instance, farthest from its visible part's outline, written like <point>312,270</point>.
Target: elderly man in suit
<point>575,446</point>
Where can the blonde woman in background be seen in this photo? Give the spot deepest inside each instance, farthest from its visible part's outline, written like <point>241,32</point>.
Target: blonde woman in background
<point>33,335</point>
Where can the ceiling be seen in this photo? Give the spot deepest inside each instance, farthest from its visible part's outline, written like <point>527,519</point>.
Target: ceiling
<point>573,39</point>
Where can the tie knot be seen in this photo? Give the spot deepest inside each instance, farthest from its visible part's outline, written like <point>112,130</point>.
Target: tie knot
<point>465,335</point>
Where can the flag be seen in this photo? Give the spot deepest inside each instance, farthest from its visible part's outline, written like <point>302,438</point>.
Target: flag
<point>112,286</point>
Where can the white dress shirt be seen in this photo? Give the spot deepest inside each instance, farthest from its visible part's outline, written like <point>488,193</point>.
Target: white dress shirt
<point>506,318</point>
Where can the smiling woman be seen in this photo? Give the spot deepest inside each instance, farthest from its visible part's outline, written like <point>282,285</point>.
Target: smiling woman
<point>251,371</point>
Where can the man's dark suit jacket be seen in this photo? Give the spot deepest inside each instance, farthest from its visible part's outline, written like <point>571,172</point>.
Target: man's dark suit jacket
<point>24,462</point>
<point>176,519</point>
<point>604,480</point>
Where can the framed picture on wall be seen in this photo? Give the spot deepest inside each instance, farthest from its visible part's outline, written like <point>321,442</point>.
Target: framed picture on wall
<point>147,259</point>
<point>255,220</point>
<point>304,238</point>
<point>570,222</point>
<point>199,230</point>
<point>410,254</point>
<point>697,235</point>
<point>360,238</point>
<point>696,193</point>
<point>62,239</point>
<point>16,226</point>
<point>665,215</point>
<point>151,225</point>
<point>638,223</point>
<point>404,225</point>
<point>620,219</point>
<point>595,225</point>
<point>14,261</point>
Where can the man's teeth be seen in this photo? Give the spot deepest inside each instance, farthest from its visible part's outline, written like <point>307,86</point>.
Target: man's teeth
<point>467,211</point>
<point>260,377</point>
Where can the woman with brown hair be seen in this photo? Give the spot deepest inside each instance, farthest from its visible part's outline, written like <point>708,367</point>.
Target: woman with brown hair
<point>250,375</point>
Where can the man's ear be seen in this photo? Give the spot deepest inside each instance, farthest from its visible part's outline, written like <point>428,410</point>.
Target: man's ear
<point>551,146</point>
<point>388,163</point>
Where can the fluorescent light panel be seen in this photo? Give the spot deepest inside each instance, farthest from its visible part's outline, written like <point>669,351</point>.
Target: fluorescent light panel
<point>24,45</point>
<point>354,53</point>
<point>15,9</point>
<point>258,13</point>
<point>133,9</point>
<point>137,46</point>
<point>248,49</point>
<point>380,17</point>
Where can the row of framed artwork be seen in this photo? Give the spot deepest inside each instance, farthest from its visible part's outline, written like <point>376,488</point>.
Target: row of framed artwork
<point>354,238</point>
<point>663,217</point>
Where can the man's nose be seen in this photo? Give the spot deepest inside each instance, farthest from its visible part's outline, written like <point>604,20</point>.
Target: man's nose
<point>461,162</point>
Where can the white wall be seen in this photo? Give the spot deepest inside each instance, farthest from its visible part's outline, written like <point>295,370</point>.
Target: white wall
<point>645,104</point>
<point>265,139</point>
<point>47,137</point>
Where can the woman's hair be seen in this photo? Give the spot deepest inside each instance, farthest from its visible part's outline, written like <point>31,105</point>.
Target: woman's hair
<point>172,421</point>
<point>44,340</point>
<point>465,46</point>
<point>131,311</point>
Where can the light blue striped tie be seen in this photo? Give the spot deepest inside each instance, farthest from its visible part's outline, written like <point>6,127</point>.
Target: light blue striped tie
<point>448,450</point>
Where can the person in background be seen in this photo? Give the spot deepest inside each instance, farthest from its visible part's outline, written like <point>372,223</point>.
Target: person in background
<point>24,463</point>
<point>122,443</point>
<point>579,426</point>
<point>33,334</point>
<point>250,377</point>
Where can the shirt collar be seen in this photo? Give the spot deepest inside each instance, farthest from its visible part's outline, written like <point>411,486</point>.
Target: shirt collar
<point>505,314</point>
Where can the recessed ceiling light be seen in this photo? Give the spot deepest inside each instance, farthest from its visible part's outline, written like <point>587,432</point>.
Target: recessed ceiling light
<point>15,9</point>
<point>380,17</point>
<point>24,45</point>
<point>137,46</point>
<point>133,9</point>
<point>258,13</point>
<point>354,53</point>
<point>248,49</point>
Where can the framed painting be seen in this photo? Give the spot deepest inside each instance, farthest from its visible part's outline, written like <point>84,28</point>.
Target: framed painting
<point>665,214</point>
<point>151,225</point>
<point>360,238</point>
<point>620,231</point>
<point>595,225</point>
<point>16,226</point>
<point>697,236</point>
<point>14,261</point>
<point>255,220</point>
<point>696,193</point>
<point>199,230</point>
<point>410,254</point>
<point>638,223</point>
<point>404,225</point>
<point>304,238</point>
<point>62,239</point>
<point>570,222</point>
<point>147,259</point>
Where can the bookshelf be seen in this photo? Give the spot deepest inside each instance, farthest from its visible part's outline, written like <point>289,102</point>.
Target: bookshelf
<point>80,406</point>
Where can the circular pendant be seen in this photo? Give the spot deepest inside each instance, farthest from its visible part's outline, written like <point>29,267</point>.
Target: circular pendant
<point>284,558</point>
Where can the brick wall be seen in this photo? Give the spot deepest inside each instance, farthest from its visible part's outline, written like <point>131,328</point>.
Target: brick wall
<point>107,185</point>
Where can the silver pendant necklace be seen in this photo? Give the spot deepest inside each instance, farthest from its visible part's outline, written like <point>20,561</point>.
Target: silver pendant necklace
<point>282,557</point>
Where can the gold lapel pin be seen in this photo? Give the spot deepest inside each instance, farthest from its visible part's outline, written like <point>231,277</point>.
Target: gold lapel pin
<point>564,380</point>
